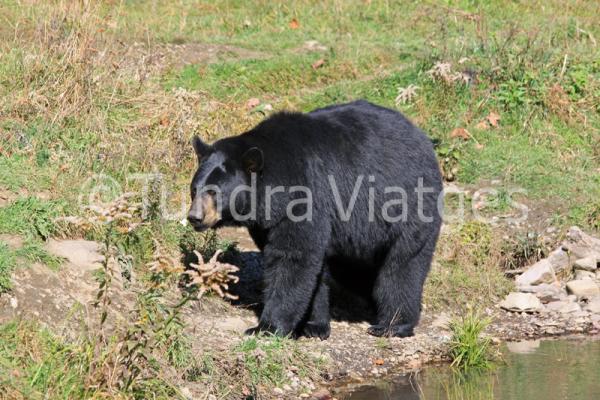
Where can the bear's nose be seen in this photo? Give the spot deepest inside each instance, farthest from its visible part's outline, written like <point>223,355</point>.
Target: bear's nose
<point>194,220</point>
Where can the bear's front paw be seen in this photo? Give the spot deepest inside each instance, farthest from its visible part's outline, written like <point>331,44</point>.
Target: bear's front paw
<point>403,330</point>
<point>316,330</point>
<point>266,327</point>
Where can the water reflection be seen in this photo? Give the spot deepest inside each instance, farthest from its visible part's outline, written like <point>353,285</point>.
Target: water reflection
<point>534,370</point>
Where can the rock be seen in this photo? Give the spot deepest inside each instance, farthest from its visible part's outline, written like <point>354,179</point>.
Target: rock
<point>545,271</point>
<point>321,394</point>
<point>84,254</point>
<point>586,264</point>
<point>555,305</point>
<point>524,302</point>
<point>593,305</point>
<point>581,245</point>
<point>545,292</point>
<point>538,273</point>
<point>569,308</point>
<point>563,307</point>
<point>583,288</point>
<point>560,260</point>
<point>581,274</point>
<point>233,324</point>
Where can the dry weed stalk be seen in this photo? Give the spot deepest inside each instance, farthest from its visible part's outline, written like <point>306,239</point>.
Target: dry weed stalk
<point>212,276</point>
<point>443,72</point>
<point>162,262</point>
<point>407,94</point>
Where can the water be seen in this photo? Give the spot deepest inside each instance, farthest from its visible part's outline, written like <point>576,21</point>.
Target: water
<point>533,370</point>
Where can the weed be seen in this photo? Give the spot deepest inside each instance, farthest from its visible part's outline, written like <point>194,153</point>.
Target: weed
<point>7,264</point>
<point>267,358</point>
<point>30,216</point>
<point>469,349</point>
<point>522,250</point>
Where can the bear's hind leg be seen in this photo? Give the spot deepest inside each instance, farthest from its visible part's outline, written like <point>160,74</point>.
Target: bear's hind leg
<point>398,291</point>
<point>318,320</point>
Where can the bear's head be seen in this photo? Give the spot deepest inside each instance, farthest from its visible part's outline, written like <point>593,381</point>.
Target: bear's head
<point>220,187</point>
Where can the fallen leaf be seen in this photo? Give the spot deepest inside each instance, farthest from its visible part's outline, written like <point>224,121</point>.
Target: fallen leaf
<point>493,119</point>
<point>164,121</point>
<point>460,133</point>
<point>318,64</point>
<point>483,125</point>
<point>253,102</point>
<point>479,146</point>
<point>379,361</point>
<point>294,24</point>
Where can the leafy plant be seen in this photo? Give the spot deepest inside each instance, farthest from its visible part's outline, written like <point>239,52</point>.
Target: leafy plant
<point>469,349</point>
<point>30,216</point>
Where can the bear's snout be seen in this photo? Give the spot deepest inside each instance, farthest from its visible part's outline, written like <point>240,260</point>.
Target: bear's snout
<point>203,213</point>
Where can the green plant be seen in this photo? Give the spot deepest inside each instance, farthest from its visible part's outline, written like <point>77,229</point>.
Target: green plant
<point>30,216</point>
<point>33,251</point>
<point>522,250</point>
<point>469,348</point>
<point>267,358</point>
<point>7,264</point>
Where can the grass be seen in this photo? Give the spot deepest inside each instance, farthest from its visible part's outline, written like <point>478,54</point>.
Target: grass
<point>469,348</point>
<point>467,268</point>
<point>30,216</point>
<point>7,265</point>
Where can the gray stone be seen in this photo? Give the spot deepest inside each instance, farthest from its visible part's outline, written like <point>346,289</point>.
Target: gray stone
<point>84,254</point>
<point>593,305</point>
<point>583,288</point>
<point>569,308</point>
<point>538,273</point>
<point>521,302</point>
<point>581,245</point>
<point>545,292</point>
<point>563,307</point>
<point>544,271</point>
<point>581,274</point>
<point>586,264</point>
<point>560,260</point>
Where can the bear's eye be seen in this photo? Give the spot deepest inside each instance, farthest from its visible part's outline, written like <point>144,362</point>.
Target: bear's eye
<point>211,193</point>
<point>193,192</point>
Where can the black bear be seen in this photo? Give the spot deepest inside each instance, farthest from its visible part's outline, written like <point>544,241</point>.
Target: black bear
<point>348,187</point>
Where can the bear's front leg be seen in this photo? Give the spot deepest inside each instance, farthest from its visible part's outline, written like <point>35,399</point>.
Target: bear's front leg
<point>293,261</point>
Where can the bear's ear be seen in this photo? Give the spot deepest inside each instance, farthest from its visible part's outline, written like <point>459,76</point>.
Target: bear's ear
<point>200,147</point>
<point>252,160</point>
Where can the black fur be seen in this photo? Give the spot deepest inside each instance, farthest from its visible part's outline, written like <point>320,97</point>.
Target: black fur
<point>343,141</point>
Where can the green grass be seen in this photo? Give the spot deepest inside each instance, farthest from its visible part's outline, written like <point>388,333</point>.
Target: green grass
<point>30,216</point>
<point>36,364</point>
<point>469,349</point>
<point>7,264</point>
<point>267,359</point>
